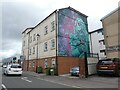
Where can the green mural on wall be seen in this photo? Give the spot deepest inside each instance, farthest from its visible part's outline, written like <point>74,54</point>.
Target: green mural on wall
<point>79,39</point>
<point>73,38</point>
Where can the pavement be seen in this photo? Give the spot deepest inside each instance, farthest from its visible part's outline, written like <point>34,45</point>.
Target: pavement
<point>76,82</point>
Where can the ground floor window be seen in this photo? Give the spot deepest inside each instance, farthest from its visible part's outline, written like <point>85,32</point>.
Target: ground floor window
<point>53,62</point>
<point>46,63</point>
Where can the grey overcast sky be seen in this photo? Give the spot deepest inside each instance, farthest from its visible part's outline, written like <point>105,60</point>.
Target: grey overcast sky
<point>17,15</point>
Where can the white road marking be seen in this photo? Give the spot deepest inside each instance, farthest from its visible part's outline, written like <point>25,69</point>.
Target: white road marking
<point>60,83</point>
<point>3,86</point>
<point>25,78</point>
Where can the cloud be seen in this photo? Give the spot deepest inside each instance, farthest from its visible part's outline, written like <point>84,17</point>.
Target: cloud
<point>8,53</point>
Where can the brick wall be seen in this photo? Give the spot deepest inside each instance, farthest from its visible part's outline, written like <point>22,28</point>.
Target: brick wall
<point>32,65</point>
<point>82,68</point>
<point>25,65</point>
<point>65,63</point>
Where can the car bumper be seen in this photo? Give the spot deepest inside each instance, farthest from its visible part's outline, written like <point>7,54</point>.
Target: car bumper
<point>76,74</point>
<point>14,73</point>
<point>106,71</point>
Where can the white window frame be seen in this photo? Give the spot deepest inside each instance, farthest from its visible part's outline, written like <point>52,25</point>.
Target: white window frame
<point>30,51</point>
<point>30,39</point>
<point>46,30</point>
<point>23,43</point>
<point>52,26</point>
<point>29,64</point>
<point>34,37</point>
<point>33,50</point>
<point>33,64</point>
<point>45,47</point>
<point>46,63</point>
<point>53,62</point>
<point>52,43</point>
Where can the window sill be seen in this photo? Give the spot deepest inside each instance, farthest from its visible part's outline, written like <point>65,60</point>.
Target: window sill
<point>45,50</point>
<point>53,48</point>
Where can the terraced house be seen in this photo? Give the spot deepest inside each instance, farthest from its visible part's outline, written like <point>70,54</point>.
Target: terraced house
<point>59,41</point>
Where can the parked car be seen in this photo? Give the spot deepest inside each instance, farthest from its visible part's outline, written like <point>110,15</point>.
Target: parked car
<point>13,69</point>
<point>109,66</point>
<point>4,66</point>
<point>74,71</point>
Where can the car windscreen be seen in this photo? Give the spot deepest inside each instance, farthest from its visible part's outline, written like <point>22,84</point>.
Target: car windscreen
<point>75,69</point>
<point>106,62</point>
<point>15,66</point>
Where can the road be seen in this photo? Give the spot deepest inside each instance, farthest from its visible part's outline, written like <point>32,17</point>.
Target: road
<point>28,82</point>
<point>39,81</point>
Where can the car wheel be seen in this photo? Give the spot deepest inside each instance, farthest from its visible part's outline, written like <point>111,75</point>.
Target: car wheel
<point>6,73</point>
<point>20,74</point>
<point>117,74</point>
<point>99,74</point>
<point>71,74</point>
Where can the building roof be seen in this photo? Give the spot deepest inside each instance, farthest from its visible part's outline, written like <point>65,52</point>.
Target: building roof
<point>96,30</point>
<point>77,11</point>
<point>27,29</point>
<point>110,13</point>
<point>50,15</point>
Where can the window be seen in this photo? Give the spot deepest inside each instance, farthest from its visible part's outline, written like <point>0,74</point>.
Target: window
<point>33,64</point>
<point>23,53</point>
<point>46,30</point>
<point>102,42</point>
<point>52,26</point>
<point>30,39</point>
<point>30,51</point>
<point>53,62</point>
<point>46,63</point>
<point>23,43</point>
<point>52,43</point>
<point>33,50</point>
<point>45,46</point>
<point>101,31</point>
<point>15,66</point>
<point>29,64</point>
<point>34,37</point>
<point>103,51</point>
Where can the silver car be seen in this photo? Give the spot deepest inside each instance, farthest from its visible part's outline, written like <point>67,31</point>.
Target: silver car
<point>74,71</point>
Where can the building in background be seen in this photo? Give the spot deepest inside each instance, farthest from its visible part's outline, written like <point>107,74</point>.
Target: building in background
<point>59,41</point>
<point>13,59</point>
<point>97,43</point>
<point>111,27</point>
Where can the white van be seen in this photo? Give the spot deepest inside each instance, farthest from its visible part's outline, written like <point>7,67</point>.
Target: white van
<point>13,69</point>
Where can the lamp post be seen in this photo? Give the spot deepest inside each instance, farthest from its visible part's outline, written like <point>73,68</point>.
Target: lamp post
<point>37,51</point>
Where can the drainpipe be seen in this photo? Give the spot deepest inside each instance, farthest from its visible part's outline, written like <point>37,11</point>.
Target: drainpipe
<point>86,65</point>
<point>56,18</point>
<point>37,51</point>
<point>28,51</point>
